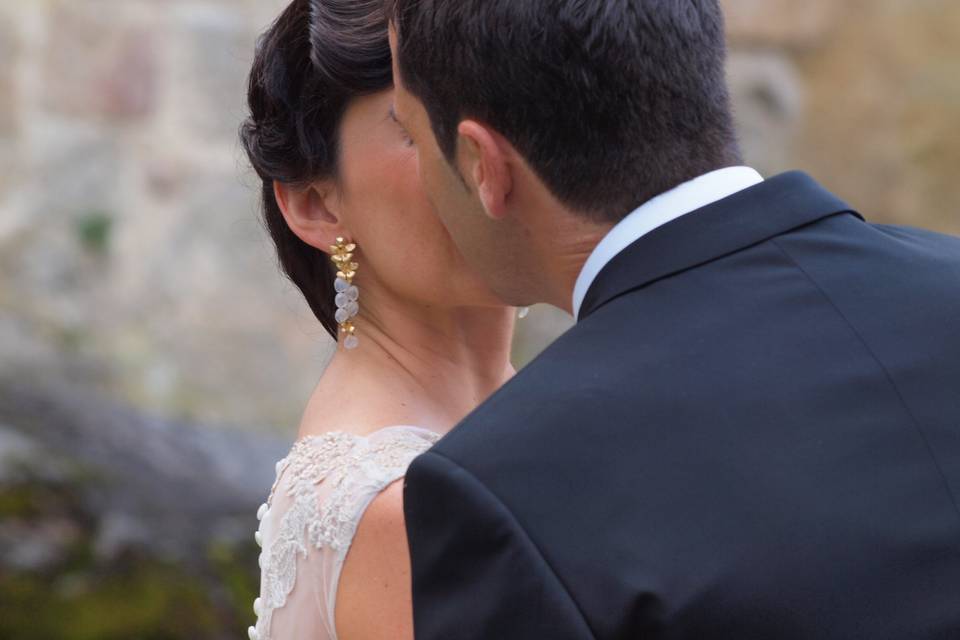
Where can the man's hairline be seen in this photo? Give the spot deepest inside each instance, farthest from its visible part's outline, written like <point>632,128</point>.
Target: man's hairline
<point>398,84</point>
<point>394,35</point>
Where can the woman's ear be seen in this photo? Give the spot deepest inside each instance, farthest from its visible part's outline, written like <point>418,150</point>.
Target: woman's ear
<point>312,213</point>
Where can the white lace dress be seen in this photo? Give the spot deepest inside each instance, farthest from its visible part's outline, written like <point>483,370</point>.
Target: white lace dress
<point>322,488</point>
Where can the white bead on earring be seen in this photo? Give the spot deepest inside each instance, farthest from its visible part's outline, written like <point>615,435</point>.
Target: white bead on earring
<point>523,312</point>
<point>348,295</point>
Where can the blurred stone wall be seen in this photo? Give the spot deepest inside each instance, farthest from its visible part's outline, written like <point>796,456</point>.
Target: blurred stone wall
<point>131,254</point>
<point>864,94</point>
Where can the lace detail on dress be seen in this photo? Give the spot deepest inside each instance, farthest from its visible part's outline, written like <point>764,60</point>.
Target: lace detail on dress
<point>351,470</point>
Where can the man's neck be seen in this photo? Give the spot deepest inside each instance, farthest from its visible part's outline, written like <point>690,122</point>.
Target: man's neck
<point>561,241</point>
<point>681,200</point>
<point>571,253</point>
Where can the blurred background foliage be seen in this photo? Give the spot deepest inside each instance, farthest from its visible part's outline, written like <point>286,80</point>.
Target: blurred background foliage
<point>149,344</point>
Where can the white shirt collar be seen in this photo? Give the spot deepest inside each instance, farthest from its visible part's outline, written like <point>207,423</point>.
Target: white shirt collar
<point>668,206</point>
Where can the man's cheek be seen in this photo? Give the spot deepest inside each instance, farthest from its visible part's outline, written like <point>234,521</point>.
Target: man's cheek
<point>419,161</point>
<point>428,186</point>
<point>432,182</point>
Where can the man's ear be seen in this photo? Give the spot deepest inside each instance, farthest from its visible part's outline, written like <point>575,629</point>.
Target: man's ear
<point>483,156</point>
<point>312,213</point>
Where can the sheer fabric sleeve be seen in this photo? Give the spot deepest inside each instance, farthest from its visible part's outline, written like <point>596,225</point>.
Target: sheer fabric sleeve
<point>321,491</point>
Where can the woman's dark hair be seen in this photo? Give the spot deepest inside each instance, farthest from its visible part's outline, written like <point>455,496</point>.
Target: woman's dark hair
<point>312,61</point>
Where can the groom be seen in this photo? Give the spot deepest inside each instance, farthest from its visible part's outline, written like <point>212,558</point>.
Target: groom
<point>753,429</point>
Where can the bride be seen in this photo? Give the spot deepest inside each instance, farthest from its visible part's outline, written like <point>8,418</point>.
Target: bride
<point>421,339</point>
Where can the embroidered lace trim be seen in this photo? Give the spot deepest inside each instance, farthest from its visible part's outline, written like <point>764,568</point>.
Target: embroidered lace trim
<point>354,468</point>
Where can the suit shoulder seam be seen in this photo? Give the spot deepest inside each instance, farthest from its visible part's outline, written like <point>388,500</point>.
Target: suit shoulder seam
<point>883,368</point>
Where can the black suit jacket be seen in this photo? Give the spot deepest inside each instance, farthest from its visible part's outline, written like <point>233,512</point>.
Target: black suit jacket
<point>752,432</point>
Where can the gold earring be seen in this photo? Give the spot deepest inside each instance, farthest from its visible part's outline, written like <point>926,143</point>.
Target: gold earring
<point>347,293</point>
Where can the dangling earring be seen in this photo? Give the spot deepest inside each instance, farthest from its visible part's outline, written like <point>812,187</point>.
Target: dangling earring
<point>347,292</point>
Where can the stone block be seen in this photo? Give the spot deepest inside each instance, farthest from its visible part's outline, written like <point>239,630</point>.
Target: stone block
<point>100,61</point>
<point>780,22</point>
<point>213,53</point>
<point>10,48</point>
<point>767,93</point>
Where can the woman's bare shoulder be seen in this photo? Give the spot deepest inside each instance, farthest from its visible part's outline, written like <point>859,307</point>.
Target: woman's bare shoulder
<point>374,597</point>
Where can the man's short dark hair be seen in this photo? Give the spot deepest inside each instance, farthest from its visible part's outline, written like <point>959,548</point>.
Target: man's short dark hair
<point>612,102</point>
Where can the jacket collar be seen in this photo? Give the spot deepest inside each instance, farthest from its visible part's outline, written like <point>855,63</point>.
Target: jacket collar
<point>748,217</point>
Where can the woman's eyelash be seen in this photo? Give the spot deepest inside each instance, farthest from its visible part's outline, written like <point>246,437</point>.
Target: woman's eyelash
<point>406,136</point>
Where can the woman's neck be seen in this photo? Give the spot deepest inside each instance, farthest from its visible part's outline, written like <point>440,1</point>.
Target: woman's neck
<point>416,365</point>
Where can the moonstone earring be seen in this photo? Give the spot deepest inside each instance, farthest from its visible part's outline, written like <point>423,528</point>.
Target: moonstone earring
<point>347,293</point>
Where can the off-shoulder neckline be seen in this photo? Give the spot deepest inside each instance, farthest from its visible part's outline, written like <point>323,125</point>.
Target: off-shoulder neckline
<point>299,444</point>
<point>312,524</point>
<point>357,436</point>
